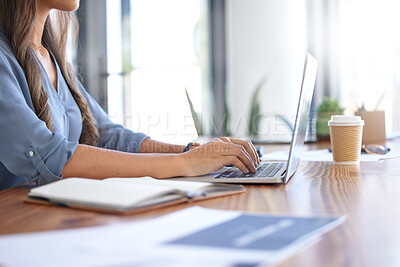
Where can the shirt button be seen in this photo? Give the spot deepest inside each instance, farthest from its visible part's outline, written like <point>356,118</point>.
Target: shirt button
<point>31,153</point>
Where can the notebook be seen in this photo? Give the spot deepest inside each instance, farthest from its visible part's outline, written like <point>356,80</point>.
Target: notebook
<point>126,195</point>
<point>276,172</point>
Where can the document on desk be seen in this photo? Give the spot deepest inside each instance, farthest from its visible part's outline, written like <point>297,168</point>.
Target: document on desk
<point>191,237</point>
<point>325,155</point>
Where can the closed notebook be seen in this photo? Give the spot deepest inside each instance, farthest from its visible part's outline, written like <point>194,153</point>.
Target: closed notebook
<point>126,195</point>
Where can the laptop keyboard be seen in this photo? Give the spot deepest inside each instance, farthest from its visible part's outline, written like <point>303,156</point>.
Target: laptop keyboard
<point>264,170</point>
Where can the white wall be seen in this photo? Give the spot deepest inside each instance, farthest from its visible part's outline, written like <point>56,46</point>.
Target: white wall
<point>264,36</point>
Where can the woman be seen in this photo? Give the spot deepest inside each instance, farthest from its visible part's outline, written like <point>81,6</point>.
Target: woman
<point>51,128</point>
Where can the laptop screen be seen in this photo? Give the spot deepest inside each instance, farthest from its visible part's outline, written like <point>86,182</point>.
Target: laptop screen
<point>303,111</point>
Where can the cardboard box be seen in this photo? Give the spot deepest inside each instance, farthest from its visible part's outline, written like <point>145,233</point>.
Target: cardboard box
<point>374,129</point>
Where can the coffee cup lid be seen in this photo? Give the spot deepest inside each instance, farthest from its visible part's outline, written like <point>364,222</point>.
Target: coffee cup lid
<point>342,120</point>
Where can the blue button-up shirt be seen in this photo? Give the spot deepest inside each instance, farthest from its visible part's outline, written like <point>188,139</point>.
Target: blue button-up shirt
<point>29,151</point>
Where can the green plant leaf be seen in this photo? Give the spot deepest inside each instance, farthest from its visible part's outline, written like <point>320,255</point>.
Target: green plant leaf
<point>195,115</point>
<point>255,108</point>
<point>330,104</point>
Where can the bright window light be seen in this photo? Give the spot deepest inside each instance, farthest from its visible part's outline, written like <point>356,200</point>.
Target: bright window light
<point>369,49</point>
<point>114,62</point>
<point>163,46</point>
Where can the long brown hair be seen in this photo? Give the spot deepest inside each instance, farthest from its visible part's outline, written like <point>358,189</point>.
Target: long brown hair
<point>17,18</point>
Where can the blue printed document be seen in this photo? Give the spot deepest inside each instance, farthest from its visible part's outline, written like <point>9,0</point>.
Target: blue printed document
<point>191,237</point>
<point>255,232</point>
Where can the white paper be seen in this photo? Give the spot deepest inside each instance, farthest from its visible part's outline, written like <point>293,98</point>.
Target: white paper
<point>155,242</point>
<point>325,155</point>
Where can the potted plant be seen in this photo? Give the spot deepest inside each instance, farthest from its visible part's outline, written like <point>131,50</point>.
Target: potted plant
<point>328,107</point>
<point>255,108</point>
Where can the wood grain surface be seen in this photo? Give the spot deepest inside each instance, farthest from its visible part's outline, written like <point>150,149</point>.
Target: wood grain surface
<point>369,195</point>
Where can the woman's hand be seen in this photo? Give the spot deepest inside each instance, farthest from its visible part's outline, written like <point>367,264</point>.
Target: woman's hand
<point>220,152</point>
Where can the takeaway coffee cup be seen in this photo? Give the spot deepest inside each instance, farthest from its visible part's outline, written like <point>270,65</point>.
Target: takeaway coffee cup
<point>346,134</point>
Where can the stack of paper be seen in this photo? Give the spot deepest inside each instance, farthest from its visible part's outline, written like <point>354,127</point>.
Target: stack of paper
<point>190,237</point>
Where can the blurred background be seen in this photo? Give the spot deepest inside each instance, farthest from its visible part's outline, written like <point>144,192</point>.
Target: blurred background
<point>178,68</point>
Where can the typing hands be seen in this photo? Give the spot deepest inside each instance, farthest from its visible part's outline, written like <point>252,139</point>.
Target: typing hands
<point>219,152</point>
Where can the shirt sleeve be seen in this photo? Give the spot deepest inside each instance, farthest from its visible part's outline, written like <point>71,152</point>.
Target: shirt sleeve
<point>111,135</point>
<point>28,148</point>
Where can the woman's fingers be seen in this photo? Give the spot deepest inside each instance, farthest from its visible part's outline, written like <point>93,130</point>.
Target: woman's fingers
<point>221,151</point>
<point>239,152</point>
<point>248,145</point>
<point>233,160</point>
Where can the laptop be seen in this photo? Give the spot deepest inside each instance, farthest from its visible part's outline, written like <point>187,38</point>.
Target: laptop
<point>275,172</point>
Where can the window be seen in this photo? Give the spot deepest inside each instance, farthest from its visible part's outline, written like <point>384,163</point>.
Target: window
<point>358,45</point>
<point>156,49</point>
<point>370,52</point>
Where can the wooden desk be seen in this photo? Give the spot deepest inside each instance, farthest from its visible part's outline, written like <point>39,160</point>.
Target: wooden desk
<point>369,195</point>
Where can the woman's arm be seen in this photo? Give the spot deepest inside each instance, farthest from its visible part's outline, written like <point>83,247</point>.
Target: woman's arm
<point>152,146</point>
<point>168,160</point>
<point>93,162</point>
<point>99,163</point>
